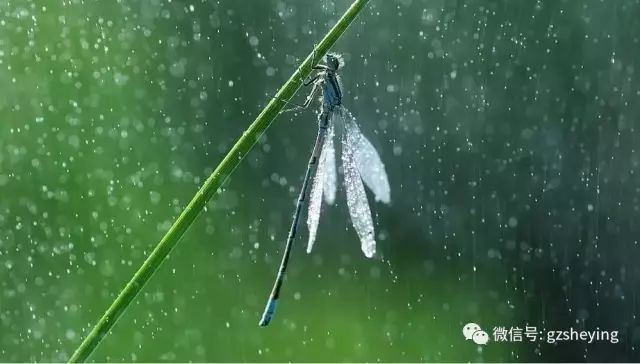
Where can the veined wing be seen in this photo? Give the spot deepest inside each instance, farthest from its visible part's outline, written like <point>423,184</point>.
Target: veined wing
<point>320,186</point>
<point>330,173</point>
<point>357,198</point>
<point>368,161</point>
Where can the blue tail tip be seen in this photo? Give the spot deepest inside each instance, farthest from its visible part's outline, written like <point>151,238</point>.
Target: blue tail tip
<point>268,313</point>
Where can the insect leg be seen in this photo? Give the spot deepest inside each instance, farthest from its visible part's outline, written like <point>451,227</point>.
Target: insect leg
<point>309,98</point>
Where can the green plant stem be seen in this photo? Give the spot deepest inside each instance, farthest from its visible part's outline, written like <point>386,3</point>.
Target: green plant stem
<point>211,185</point>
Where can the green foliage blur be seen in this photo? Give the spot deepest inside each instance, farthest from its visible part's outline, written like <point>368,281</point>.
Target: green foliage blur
<point>508,132</point>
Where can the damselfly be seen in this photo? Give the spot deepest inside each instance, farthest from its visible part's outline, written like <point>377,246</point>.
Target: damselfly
<point>360,163</point>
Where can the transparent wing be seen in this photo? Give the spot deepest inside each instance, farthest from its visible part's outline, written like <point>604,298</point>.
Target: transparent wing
<point>368,161</point>
<point>330,173</point>
<point>320,185</point>
<point>357,198</point>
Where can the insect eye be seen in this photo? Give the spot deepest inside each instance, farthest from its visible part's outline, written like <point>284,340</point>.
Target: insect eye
<point>332,61</point>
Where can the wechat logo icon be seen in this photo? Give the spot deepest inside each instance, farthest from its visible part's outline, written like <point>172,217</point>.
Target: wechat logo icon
<point>472,331</point>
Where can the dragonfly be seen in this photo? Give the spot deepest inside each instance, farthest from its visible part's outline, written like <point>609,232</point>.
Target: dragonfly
<point>361,166</point>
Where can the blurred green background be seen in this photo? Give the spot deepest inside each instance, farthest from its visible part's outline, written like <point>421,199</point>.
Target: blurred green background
<point>508,128</point>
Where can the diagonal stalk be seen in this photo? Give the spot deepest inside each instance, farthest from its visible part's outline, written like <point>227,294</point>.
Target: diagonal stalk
<point>211,185</point>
